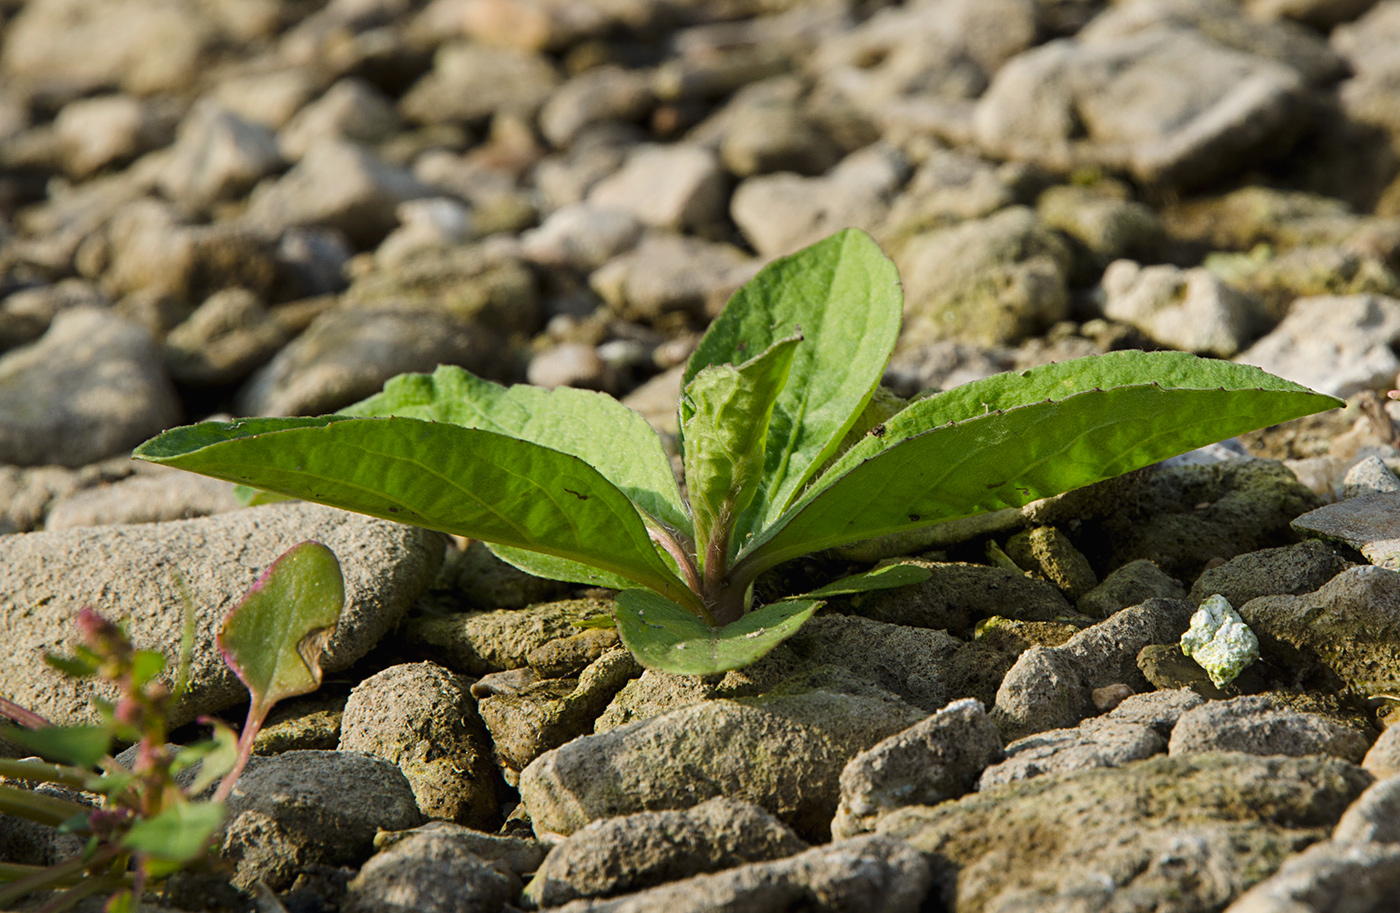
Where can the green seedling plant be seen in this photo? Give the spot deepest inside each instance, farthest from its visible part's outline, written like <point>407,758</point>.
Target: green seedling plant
<point>787,449</point>
<point>147,825</point>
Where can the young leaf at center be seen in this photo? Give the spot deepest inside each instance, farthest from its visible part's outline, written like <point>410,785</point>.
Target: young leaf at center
<point>273,639</point>
<point>724,415</point>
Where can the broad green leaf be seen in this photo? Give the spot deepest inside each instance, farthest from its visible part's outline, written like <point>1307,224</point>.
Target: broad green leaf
<point>180,833</point>
<point>843,296</point>
<point>882,578</point>
<point>663,635</point>
<point>552,568</point>
<point>274,637</point>
<point>1017,438</point>
<point>466,481</point>
<point>82,746</point>
<point>724,416</point>
<point>594,427</point>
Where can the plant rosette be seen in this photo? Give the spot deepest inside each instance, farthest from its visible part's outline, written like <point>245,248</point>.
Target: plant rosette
<point>786,451</point>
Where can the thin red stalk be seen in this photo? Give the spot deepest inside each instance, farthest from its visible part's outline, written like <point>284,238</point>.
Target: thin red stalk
<point>26,718</point>
<point>251,727</point>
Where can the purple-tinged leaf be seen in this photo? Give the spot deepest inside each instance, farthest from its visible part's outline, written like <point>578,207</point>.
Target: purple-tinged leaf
<point>273,639</point>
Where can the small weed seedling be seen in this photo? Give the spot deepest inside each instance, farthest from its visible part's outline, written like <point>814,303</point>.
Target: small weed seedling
<point>785,453</point>
<point>147,826</point>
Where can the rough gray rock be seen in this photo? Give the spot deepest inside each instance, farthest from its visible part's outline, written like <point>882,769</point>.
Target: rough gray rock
<point>1190,310</point>
<point>433,870</point>
<point>337,184</point>
<point>27,313</point>
<point>853,876</point>
<point>422,718</point>
<point>528,720</point>
<point>26,842</point>
<point>434,222</point>
<point>304,808</point>
<point>767,131</point>
<point>632,852</point>
<point>932,761</point>
<point>470,81</point>
<point>475,643</point>
<point>606,93</point>
<point>783,751</point>
<point>1357,871</point>
<point>91,387</point>
<point>152,251</point>
<point>581,236</point>
<point>990,281</point>
<point>780,213</point>
<point>949,187</point>
<point>958,594</point>
<point>1373,818</point>
<point>1132,584</point>
<point>1197,108</point>
<point>269,97</point>
<point>483,287</point>
<point>903,60</point>
<point>1174,834</point>
<point>227,337</point>
<point>352,109</point>
<point>1383,758</point>
<point>145,497</point>
<point>217,155</point>
<point>1368,476</point>
<point>570,364</point>
<point>75,47</point>
<point>1346,631</point>
<point>567,177</point>
<point>1225,24</point>
<point>25,494</point>
<point>347,354</point>
<point>1106,221</point>
<point>128,572</point>
<point>1097,742</point>
<point>1051,687</point>
<point>1290,570</point>
<point>1337,344</point>
<point>674,187</point>
<point>1184,517</point>
<point>520,855</point>
<point>94,133</point>
<point>1158,709</point>
<point>667,274</point>
<point>1257,725</point>
<point>1366,523</point>
<point>908,662</point>
<point>1329,877</point>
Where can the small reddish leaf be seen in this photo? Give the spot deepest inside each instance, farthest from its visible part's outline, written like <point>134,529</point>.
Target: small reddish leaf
<point>273,639</point>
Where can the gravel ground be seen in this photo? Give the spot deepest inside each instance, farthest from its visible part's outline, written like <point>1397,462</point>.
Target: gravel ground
<point>271,207</point>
